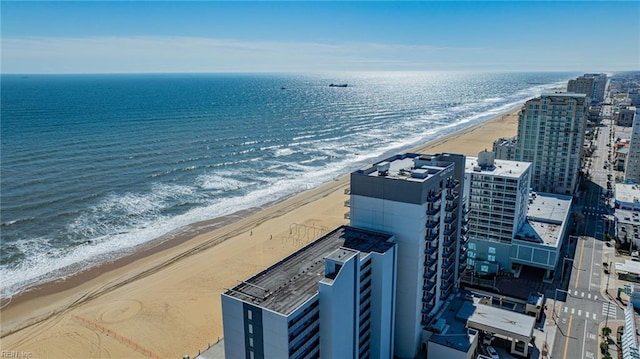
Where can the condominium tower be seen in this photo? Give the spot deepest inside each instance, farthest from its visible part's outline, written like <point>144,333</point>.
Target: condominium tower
<point>497,192</point>
<point>551,132</point>
<point>417,198</point>
<point>334,298</point>
<point>632,163</point>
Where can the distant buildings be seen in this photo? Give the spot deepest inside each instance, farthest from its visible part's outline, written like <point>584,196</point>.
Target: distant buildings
<point>625,116</point>
<point>551,131</point>
<point>335,296</point>
<point>505,148</point>
<point>417,198</point>
<point>592,85</point>
<point>632,163</point>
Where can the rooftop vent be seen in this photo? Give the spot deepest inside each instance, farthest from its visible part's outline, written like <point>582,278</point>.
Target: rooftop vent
<point>383,168</point>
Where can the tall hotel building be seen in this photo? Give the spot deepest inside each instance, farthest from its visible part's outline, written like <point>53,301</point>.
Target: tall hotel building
<point>417,198</point>
<point>632,163</point>
<point>334,298</point>
<point>551,132</point>
<point>498,194</point>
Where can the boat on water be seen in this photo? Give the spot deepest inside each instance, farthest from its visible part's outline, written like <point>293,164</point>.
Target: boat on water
<point>337,85</point>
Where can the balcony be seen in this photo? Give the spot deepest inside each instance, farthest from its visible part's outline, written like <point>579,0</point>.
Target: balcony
<point>451,207</point>
<point>448,264</point>
<point>449,231</point>
<point>431,235</point>
<point>463,258</point>
<point>433,211</point>
<point>347,215</point>
<point>428,298</point>
<point>449,241</point>
<point>446,277</point>
<point>429,273</point>
<point>430,261</point>
<point>434,197</point>
<point>452,196</point>
<point>453,183</point>
<point>430,250</point>
<point>444,293</point>
<point>449,219</point>
<point>347,203</point>
<point>430,284</point>
<point>432,224</point>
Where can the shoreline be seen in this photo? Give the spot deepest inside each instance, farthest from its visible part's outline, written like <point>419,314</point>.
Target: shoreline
<point>55,301</point>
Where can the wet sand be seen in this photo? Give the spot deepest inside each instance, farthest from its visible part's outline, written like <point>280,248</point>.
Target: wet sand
<point>164,301</point>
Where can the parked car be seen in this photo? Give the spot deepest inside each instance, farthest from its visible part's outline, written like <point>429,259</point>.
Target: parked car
<point>492,352</point>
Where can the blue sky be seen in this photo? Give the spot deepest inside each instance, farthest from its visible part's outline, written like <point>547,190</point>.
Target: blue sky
<point>241,36</point>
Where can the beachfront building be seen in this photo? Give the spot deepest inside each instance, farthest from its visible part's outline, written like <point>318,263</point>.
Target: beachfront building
<point>583,85</point>
<point>599,86</point>
<point>334,298</point>
<point>632,163</point>
<point>505,148</point>
<point>417,198</point>
<point>551,131</point>
<point>497,193</point>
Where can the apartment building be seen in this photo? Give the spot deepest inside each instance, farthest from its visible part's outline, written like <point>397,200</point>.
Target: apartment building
<point>418,199</point>
<point>334,298</point>
<point>632,162</point>
<point>551,131</point>
<point>497,192</point>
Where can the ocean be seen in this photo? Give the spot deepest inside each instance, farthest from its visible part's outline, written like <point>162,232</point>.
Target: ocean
<point>94,166</point>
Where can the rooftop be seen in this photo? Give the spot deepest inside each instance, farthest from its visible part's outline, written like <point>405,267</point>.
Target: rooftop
<point>502,168</point>
<point>407,166</point>
<point>562,94</point>
<point>286,285</point>
<point>629,193</point>
<point>545,218</point>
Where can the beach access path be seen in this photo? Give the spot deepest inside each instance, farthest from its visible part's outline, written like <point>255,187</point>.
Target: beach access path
<point>165,302</point>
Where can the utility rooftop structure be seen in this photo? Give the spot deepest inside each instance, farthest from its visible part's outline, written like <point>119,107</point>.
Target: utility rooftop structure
<point>336,295</point>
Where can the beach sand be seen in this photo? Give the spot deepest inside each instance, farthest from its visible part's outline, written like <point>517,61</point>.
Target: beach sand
<point>165,302</point>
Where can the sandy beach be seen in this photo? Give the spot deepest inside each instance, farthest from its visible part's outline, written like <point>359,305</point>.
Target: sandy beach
<point>165,302</point>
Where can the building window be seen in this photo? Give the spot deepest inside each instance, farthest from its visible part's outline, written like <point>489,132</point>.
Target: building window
<point>249,315</point>
<point>484,268</point>
<point>471,262</point>
<point>251,342</point>
<point>491,258</point>
<point>472,246</point>
<point>492,250</point>
<point>251,355</point>
<point>250,328</point>
<point>472,254</point>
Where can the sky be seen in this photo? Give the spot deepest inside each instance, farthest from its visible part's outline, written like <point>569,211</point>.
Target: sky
<point>305,36</point>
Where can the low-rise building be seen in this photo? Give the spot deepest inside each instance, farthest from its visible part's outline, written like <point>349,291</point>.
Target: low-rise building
<point>628,196</point>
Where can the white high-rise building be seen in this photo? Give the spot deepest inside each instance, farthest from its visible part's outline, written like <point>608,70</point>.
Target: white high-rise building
<point>632,163</point>
<point>551,132</point>
<point>334,298</point>
<point>417,198</point>
<point>497,192</point>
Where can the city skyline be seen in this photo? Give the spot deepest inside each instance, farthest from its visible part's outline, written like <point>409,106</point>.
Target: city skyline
<point>152,37</point>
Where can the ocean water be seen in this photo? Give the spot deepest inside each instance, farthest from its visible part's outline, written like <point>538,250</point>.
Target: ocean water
<point>93,166</point>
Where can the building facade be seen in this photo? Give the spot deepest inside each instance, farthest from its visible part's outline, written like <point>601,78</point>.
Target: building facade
<point>632,162</point>
<point>334,298</point>
<point>505,148</point>
<point>599,86</point>
<point>582,85</point>
<point>551,131</point>
<point>625,116</point>
<point>418,199</point>
<point>497,192</point>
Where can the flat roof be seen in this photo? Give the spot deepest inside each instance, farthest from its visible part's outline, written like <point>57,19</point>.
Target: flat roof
<point>562,94</point>
<point>629,193</point>
<point>628,267</point>
<point>501,168</point>
<point>499,321</point>
<point>412,167</point>
<point>454,332</point>
<point>286,285</point>
<point>546,217</point>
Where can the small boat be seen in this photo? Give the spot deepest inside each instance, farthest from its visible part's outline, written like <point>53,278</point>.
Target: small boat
<point>338,85</point>
<point>283,88</point>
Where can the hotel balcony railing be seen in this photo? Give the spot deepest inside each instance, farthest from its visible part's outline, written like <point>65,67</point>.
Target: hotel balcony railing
<point>451,207</point>
<point>430,250</point>
<point>446,278</point>
<point>347,203</point>
<point>462,267</point>
<point>434,197</point>
<point>449,219</point>
<point>464,230</point>
<point>430,261</point>
<point>448,264</point>
<point>428,297</point>
<point>449,231</point>
<point>449,241</point>
<point>429,273</point>
<point>452,196</point>
<point>432,235</point>
<point>347,215</point>
<point>463,258</point>
<point>433,211</point>
<point>347,190</point>
<point>444,294</point>
<point>429,286</point>
<point>431,224</point>
<point>453,183</point>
